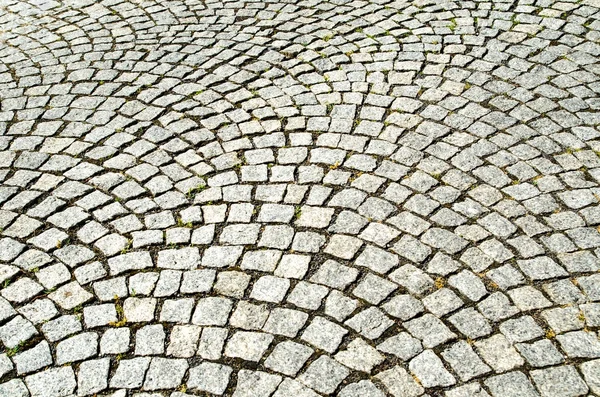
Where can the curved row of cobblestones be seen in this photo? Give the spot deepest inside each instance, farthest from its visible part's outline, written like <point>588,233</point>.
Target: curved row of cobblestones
<point>299,198</point>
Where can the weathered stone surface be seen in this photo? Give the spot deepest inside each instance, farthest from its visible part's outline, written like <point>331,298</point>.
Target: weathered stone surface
<point>299,198</point>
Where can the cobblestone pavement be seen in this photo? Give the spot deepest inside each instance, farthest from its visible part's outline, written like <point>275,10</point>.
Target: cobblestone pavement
<point>299,198</point>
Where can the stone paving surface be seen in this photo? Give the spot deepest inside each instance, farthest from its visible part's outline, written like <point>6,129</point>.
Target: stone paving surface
<point>299,198</point>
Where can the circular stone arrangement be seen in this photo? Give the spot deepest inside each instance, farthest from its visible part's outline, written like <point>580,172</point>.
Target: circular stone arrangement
<point>299,198</point>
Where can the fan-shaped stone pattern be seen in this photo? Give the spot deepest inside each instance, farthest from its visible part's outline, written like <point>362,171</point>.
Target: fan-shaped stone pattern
<point>299,198</point>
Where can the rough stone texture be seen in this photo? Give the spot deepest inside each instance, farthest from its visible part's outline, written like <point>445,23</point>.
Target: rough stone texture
<point>54,382</point>
<point>308,198</point>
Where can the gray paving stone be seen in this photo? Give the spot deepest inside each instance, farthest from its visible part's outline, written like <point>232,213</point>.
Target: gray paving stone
<point>371,323</point>
<point>99,315</point>
<point>16,331</point>
<point>256,383</point>
<point>361,388</point>
<point>579,344</point>
<point>211,343</point>
<point>270,289</point>
<point>115,341</point>
<point>430,330</point>
<point>176,310</point>
<point>430,371</point>
<point>183,341</point>
<point>165,373</point>
<point>499,353</point>
<point>464,361</point>
<point>334,275</point>
<point>590,374</point>
<point>130,261</point>
<point>521,329</point>
<point>182,259</point>
<point>285,322</point>
<point>210,377</point>
<point>14,387</point>
<point>288,357</point>
<point>471,389</point>
<point>139,309</point>
<point>54,382</point>
<point>324,334</point>
<point>511,384</point>
<point>292,387</point>
<point>403,306</point>
<point>232,283</point>
<point>359,356</point>
<point>33,359</point>
<point>212,311</point>
<point>150,340</point>
<point>560,381</point>
<point>6,364</point>
<point>39,311</point>
<point>217,256</point>
<point>324,375</point>
<point>223,186</point>
<point>93,376</point>
<point>76,348</point>
<point>249,346</point>
<point>61,327</point>
<point>398,382</point>
<point>130,373</point>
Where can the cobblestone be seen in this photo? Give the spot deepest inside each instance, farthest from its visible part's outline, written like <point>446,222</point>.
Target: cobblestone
<point>299,198</point>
